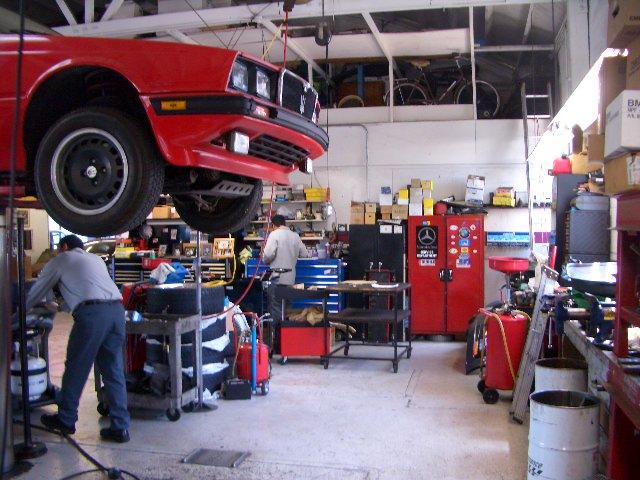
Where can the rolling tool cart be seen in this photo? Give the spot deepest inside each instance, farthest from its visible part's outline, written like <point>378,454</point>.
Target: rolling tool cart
<point>171,326</point>
<point>301,339</point>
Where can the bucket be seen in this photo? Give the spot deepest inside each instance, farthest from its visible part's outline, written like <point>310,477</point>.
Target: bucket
<point>561,374</point>
<point>563,436</point>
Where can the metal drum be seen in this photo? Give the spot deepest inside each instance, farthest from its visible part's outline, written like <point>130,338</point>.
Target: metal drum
<point>561,374</point>
<point>563,436</point>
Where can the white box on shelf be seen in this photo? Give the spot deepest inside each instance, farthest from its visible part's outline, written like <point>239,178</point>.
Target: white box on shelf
<point>415,209</point>
<point>622,132</point>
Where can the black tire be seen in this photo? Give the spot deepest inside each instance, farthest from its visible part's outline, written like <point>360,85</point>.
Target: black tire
<point>481,386</point>
<point>189,407</point>
<point>230,215</point>
<point>173,415</point>
<point>283,360</point>
<point>216,330</point>
<point>182,300</point>
<point>490,396</point>
<point>98,172</point>
<point>103,409</point>
<point>346,351</point>
<point>264,388</point>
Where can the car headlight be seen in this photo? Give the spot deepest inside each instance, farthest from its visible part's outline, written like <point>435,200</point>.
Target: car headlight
<point>263,84</point>
<point>240,76</point>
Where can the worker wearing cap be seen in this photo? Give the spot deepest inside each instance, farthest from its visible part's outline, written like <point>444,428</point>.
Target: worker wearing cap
<point>98,334</point>
<point>282,250</point>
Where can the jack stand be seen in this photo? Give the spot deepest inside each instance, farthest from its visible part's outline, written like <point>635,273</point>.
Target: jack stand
<point>28,449</point>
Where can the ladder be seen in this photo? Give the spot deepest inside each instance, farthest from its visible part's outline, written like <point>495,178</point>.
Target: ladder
<point>532,346</point>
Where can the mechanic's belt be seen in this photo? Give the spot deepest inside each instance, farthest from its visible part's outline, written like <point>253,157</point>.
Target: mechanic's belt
<point>95,302</point>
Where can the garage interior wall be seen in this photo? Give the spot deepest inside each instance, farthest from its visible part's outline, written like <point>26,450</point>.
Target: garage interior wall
<point>39,226</point>
<point>362,158</point>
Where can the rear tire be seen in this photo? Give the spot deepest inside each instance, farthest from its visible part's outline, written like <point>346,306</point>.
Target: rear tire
<point>229,216</point>
<point>98,172</point>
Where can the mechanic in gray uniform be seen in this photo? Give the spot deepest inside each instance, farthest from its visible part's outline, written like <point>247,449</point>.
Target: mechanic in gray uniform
<point>282,251</point>
<point>97,334</point>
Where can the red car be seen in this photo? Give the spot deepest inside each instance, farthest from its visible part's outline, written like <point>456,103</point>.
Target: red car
<point>106,126</point>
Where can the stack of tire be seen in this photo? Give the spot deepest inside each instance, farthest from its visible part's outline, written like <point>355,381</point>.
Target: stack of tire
<point>215,340</point>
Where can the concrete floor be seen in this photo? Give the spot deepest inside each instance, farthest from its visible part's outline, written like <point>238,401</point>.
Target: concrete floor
<point>356,420</point>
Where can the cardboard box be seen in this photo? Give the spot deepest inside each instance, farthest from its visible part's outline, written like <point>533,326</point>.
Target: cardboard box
<point>415,209</point>
<point>427,185</point>
<point>370,207</point>
<point>474,196</point>
<point>357,214</point>
<point>386,209</point>
<point>385,216</point>
<point>622,174</point>
<point>623,125</point>
<point>580,164</point>
<point>400,212</point>
<point>633,65</point>
<point>416,183</point>
<point>475,181</point>
<point>595,149</point>
<point>427,206</point>
<point>386,196</point>
<point>623,23</point>
<point>613,79</point>
<point>163,212</point>
<point>403,196</point>
<point>415,195</point>
<point>357,219</point>
<point>370,218</point>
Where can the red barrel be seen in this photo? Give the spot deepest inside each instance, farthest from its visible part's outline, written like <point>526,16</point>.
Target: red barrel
<point>497,372</point>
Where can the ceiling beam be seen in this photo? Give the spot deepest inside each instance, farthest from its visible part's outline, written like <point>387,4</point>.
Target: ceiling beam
<point>291,43</point>
<point>89,11</point>
<point>188,19</point>
<point>514,48</point>
<point>181,37</point>
<point>68,14</point>
<point>376,34</point>
<point>111,10</point>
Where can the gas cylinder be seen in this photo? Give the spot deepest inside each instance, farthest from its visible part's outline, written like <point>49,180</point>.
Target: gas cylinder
<point>37,368</point>
<point>498,373</point>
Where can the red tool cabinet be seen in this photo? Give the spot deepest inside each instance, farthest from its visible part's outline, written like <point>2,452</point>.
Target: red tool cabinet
<point>446,272</point>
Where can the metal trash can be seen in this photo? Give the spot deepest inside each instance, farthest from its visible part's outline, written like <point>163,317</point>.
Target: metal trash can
<point>563,436</point>
<point>561,374</point>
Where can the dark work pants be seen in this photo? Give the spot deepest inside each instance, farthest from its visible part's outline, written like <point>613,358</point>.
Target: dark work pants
<point>97,335</point>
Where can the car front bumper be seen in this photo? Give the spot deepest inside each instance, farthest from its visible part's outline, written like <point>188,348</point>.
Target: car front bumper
<point>194,135</point>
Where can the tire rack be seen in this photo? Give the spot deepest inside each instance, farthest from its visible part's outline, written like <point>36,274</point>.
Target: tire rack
<point>130,270</point>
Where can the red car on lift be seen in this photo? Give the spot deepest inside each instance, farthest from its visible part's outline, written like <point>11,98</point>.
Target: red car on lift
<point>106,126</point>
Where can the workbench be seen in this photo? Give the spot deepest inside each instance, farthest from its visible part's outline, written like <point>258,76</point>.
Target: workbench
<point>606,377</point>
<point>171,326</point>
<point>394,317</point>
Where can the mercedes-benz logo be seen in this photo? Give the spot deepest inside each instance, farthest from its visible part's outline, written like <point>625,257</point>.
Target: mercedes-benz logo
<point>427,236</point>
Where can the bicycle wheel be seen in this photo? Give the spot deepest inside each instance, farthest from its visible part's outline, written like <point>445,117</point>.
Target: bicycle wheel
<point>408,93</point>
<point>351,101</point>
<point>487,98</point>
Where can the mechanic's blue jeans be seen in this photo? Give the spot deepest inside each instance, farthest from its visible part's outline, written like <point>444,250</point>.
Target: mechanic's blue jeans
<point>98,335</point>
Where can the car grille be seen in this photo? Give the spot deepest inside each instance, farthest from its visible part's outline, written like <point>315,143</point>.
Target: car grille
<point>298,95</point>
<point>277,151</point>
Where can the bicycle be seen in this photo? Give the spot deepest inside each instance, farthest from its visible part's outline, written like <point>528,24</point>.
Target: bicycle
<point>423,91</point>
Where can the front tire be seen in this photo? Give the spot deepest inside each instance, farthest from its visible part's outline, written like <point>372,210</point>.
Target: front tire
<point>224,216</point>
<point>97,172</point>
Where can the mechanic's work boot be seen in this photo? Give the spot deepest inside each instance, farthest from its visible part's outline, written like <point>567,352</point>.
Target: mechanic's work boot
<point>53,422</point>
<point>118,436</point>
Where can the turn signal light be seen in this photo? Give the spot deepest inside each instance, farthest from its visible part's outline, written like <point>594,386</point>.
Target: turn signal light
<point>261,111</point>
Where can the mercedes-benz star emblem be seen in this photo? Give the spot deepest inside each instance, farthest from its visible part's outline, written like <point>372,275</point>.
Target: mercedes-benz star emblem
<point>427,236</point>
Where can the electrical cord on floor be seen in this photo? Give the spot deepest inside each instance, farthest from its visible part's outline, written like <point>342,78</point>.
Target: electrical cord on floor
<point>112,473</point>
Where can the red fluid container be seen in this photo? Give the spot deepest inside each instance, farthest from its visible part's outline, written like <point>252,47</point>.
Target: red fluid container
<point>561,166</point>
<point>497,373</point>
<point>243,365</point>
